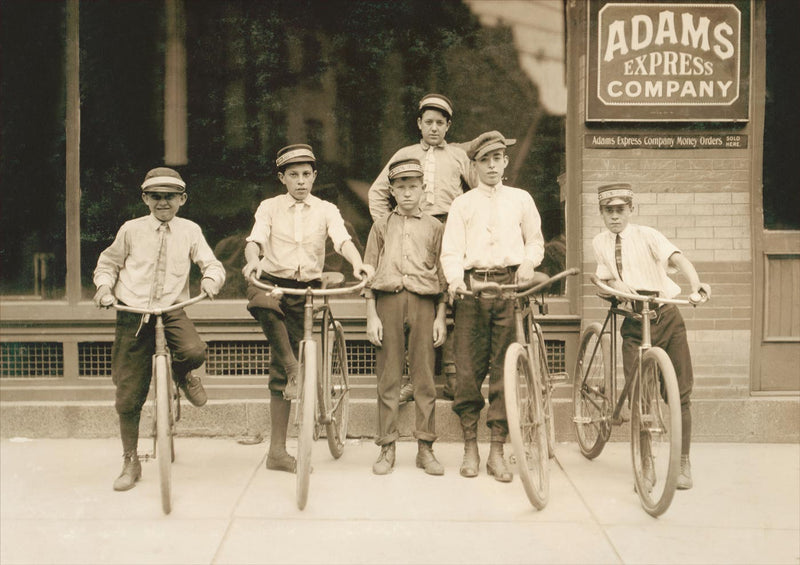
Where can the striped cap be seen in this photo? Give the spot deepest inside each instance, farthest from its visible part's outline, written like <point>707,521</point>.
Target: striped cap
<point>437,101</point>
<point>405,168</point>
<point>163,179</point>
<point>616,193</point>
<point>297,153</point>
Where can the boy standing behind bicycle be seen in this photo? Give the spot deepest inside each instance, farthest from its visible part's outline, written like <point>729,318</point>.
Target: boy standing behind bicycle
<point>493,234</point>
<point>405,303</point>
<point>147,266</point>
<point>286,248</point>
<point>633,258</point>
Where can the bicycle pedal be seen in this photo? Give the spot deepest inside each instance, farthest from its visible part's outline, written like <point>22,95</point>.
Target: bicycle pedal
<point>582,420</point>
<point>561,377</point>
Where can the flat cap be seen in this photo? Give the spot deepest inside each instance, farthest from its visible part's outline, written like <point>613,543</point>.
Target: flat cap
<point>486,142</point>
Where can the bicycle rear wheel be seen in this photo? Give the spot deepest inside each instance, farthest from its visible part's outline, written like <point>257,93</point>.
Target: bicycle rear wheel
<point>526,425</point>
<point>306,406</point>
<point>591,391</point>
<point>536,339</point>
<point>335,387</point>
<point>656,432</point>
<point>164,451</point>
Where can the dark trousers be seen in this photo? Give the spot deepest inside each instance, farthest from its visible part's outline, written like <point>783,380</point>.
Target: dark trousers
<point>484,328</point>
<point>407,318</point>
<point>282,324</point>
<point>131,363</point>
<point>668,332</point>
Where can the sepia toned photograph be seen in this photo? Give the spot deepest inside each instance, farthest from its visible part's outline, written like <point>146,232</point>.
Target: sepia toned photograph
<point>399,282</point>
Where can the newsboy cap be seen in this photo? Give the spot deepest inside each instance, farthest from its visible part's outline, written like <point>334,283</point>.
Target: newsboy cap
<point>163,179</point>
<point>488,141</point>
<point>438,102</point>
<point>297,153</point>
<point>612,194</point>
<point>405,168</point>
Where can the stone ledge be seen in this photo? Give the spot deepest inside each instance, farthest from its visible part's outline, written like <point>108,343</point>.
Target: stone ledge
<point>754,420</point>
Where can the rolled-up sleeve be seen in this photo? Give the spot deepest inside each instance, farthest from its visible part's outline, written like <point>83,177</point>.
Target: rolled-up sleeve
<point>336,228</point>
<point>532,232</point>
<point>204,257</point>
<point>261,227</point>
<point>111,260</point>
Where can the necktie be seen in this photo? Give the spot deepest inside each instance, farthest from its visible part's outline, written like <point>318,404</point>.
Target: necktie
<point>161,266</point>
<point>618,255</point>
<point>429,175</point>
<point>298,231</point>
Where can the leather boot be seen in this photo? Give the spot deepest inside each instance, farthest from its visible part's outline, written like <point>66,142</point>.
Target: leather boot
<point>131,472</point>
<point>427,460</point>
<point>385,462</point>
<point>496,464</point>
<point>685,478</point>
<point>277,457</point>
<point>472,459</point>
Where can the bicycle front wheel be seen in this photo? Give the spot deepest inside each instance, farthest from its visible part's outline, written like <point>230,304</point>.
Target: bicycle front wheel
<point>526,425</point>
<point>306,406</point>
<point>164,451</point>
<point>335,387</point>
<point>591,400</point>
<point>656,432</point>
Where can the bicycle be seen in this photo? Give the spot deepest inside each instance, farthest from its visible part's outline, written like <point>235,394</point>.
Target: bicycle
<point>323,380</point>
<point>655,417</point>
<point>528,382</point>
<point>166,396</point>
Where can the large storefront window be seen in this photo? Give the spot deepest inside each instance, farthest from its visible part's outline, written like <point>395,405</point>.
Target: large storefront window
<point>32,166</point>
<point>344,76</point>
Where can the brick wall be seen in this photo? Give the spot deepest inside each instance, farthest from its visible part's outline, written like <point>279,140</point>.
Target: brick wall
<point>700,200</point>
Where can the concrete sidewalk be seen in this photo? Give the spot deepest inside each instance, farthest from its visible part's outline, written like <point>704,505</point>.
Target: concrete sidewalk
<point>57,506</point>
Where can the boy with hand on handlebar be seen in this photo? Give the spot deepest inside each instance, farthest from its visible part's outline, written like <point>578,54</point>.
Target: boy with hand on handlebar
<point>286,248</point>
<point>493,234</point>
<point>147,266</point>
<point>405,303</point>
<point>635,259</point>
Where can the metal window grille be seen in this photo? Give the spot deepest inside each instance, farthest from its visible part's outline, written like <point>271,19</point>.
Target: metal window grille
<point>94,359</point>
<point>237,358</point>
<point>360,357</point>
<point>556,355</point>
<point>31,359</point>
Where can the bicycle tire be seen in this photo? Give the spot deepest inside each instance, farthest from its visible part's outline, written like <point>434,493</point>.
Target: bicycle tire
<point>336,388</point>
<point>306,406</point>
<point>656,423</point>
<point>540,356</point>
<point>526,425</point>
<point>591,402</point>
<point>164,432</point>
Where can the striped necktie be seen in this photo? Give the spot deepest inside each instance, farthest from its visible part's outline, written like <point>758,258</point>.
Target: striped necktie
<point>618,255</point>
<point>161,266</point>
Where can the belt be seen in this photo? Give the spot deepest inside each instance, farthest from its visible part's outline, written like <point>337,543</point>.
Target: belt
<point>494,271</point>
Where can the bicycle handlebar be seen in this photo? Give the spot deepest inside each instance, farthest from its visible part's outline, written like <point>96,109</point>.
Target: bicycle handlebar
<point>311,291</point>
<point>110,301</point>
<point>517,290</point>
<point>694,299</point>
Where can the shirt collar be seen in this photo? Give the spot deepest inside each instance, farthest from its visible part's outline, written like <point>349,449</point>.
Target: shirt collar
<point>155,223</point>
<point>489,190</point>
<point>624,233</point>
<point>290,201</point>
<point>425,145</point>
<point>417,214</point>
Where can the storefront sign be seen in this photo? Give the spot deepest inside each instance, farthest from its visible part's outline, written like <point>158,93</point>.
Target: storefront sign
<point>664,141</point>
<point>677,61</point>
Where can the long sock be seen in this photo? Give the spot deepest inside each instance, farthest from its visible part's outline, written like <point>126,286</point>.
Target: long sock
<point>279,409</point>
<point>686,430</point>
<point>129,431</point>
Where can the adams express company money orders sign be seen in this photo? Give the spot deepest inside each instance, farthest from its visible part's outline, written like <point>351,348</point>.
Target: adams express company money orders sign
<point>677,61</point>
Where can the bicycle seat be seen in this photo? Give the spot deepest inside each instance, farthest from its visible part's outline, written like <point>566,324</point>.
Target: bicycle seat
<point>332,279</point>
